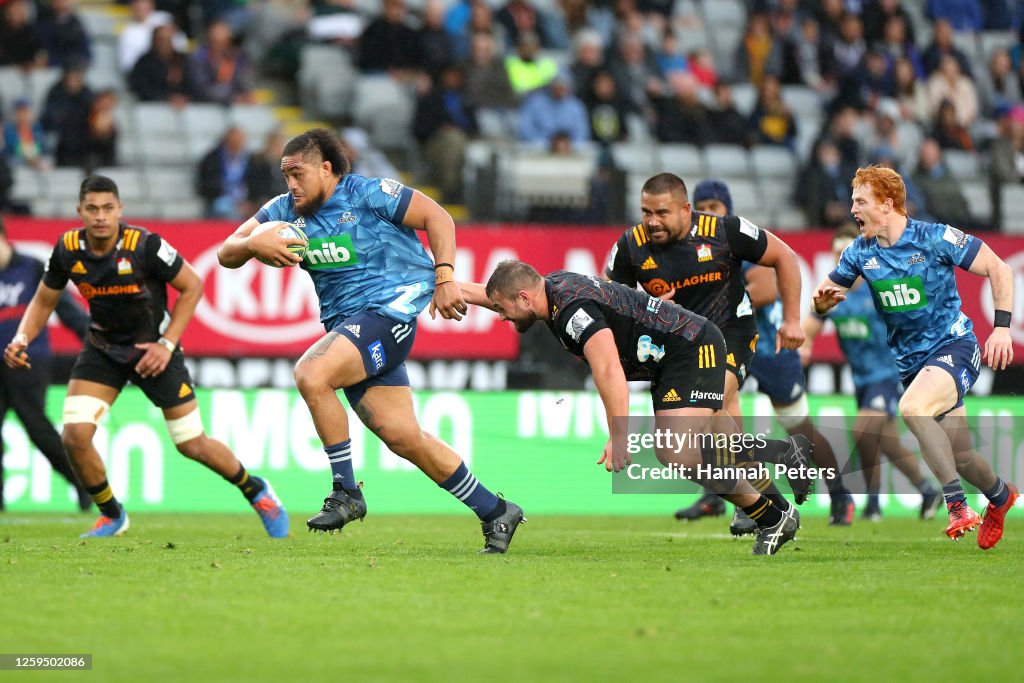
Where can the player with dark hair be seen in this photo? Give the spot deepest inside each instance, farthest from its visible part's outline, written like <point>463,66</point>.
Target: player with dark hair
<point>861,333</point>
<point>24,390</point>
<point>123,272</point>
<point>779,372</point>
<point>625,334</point>
<point>909,266</point>
<point>695,260</point>
<point>372,277</point>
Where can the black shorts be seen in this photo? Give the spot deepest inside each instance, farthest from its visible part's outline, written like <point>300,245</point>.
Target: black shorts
<point>693,374</point>
<point>739,351</point>
<point>172,387</point>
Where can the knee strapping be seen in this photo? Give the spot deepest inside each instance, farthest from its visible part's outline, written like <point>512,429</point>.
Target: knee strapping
<point>81,409</point>
<point>185,428</point>
<point>792,415</point>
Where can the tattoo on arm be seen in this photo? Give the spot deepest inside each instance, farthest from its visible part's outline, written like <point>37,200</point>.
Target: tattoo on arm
<point>367,417</point>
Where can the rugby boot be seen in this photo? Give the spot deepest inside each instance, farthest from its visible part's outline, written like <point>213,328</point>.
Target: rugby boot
<point>930,502</point>
<point>708,505</point>
<point>498,532</point>
<point>340,508</point>
<point>741,523</point>
<point>108,526</point>
<point>770,539</point>
<point>961,520</point>
<point>842,510</point>
<point>992,523</point>
<point>797,460</point>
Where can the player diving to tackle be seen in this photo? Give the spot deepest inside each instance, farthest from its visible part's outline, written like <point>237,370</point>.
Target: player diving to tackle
<point>625,334</point>
<point>372,277</point>
<point>908,264</point>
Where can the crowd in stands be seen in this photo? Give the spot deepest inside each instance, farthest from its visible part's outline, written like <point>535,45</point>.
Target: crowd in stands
<point>901,82</point>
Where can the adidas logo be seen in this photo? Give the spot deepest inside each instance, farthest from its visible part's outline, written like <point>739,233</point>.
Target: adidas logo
<point>871,264</point>
<point>184,391</point>
<point>947,359</point>
<point>78,268</point>
<point>354,329</point>
<point>671,396</point>
<point>649,264</point>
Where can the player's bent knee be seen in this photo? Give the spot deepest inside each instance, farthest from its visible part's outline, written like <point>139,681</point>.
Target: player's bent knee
<point>791,416</point>
<point>404,441</point>
<point>184,429</point>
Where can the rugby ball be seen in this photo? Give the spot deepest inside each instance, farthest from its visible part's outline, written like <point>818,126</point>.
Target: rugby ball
<point>286,230</point>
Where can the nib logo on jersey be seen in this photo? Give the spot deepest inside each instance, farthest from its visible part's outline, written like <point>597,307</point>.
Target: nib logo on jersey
<point>331,252</point>
<point>900,294</point>
<point>853,327</point>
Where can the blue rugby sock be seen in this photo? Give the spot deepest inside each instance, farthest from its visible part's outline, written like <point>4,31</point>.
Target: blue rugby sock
<point>998,494</point>
<point>340,457</point>
<point>953,492</point>
<point>474,495</point>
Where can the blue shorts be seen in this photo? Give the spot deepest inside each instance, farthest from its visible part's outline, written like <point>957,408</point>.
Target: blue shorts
<point>384,345</point>
<point>780,376</point>
<point>961,359</point>
<point>883,396</point>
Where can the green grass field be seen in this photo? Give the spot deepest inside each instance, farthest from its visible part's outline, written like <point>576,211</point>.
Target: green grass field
<point>402,598</point>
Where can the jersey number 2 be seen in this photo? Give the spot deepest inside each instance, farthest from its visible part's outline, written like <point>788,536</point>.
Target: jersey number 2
<point>409,293</point>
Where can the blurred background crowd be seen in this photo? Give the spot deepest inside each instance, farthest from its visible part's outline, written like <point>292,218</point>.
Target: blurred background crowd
<point>539,110</point>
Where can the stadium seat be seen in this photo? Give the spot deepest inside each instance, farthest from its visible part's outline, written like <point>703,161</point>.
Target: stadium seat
<point>744,95</point>
<point>26,185</point>
<point>204,120</point>
<point>804,101</point>
<point>255,119</point>
<point>546,180</point>
<point>638,157</point>
<point>326,80</point>
<point>384,108</point>
<point>13,85</point>
<point>962,164</point>
<point>131,183</point>
<point>772,161</point>
<point>129,152</point>
<point>686,161</point>
<point>104,72</point>
<point>727,160</point>
<point>788,218</point>
<point>691,38</point>
<point>158,151</point>
<point>1013,220</point>
<point>724,13</point>
<point>746,198</point>
<point>39,83</point>
<point>990,40</point>
<point>62,185</point>
<point>157,120</point>
<point>179,208</point>
<point>979,198</point>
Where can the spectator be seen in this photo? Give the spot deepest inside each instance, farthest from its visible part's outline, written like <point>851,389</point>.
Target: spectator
<point>636,74</point>
<point>772,120</point>
<point>136,36</point>
<point>163,74</point>
<point>900,139</point>
<point>911,93</point>
<point>62,34</point>
<point>877,16</point>
<point>841,131</point>
<point>962,15</point>
<point>488,89</point>
<point>588,60</point>
<point>948,131</point>
<point>849,48</point>
<point>221,176</point>
<point>527,70</point>
<point>436,47</point>
<point>388,43</point>
<point>787,36</point>
<point>520,16</point>
<point>679,116</point>
<point>263,177</point>
<point>551,110</point>
<point>1007,157</point>
<point>941,190</point>
<point>443,124</point>
<point>999,15</point>
<point>728,125</point>
<point>702,66</point>
<point>941,45</point>
<point>896,44</point>
<point>916,204</point>
<point>999,86</point>
<point>823,187</point>
<point>809,56</point>
<point>220,68</point>
<point>829,15</point>
<point>669,57</point>
<point>24,138</point>
<point>66,115</point>
<point>863,87</point>
<point>102,130</point>
<point>948,84</point>
<point>607,110</point>
<point>758,53</point>
<point>366,159</point>
<point>465,19</point>
<point>19,44</point>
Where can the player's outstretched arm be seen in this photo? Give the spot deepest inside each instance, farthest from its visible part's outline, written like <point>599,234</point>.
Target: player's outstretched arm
<point>779,256</point>
<point>473,293</point>
<point>426,214</point>
<point>39,310</point>
<point>999,347</point>
<point>827,296</point>
<point>610,380</point>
